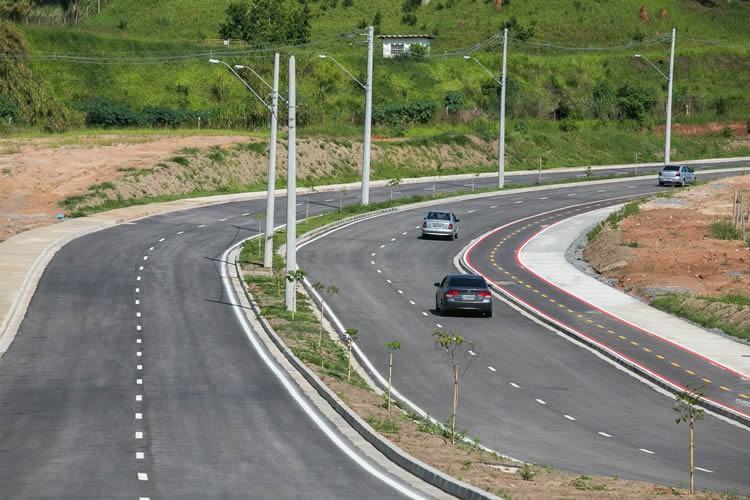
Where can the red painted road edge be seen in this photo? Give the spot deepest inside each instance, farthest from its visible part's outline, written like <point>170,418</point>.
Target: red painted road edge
<point>603,347</point>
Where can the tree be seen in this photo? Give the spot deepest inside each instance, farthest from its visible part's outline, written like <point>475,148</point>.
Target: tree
<point>460,354</point>
<point>351,337</point>
<point>295,277</point>
<point>259,22</point>
<point>15,10</point>
<point>394,183</point>
<point>392,347</point>
<point>688,411</point>
<point>328,290</point>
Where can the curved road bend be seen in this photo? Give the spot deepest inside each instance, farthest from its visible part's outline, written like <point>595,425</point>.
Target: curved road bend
<point>86,410</point>
<point>531,393</point>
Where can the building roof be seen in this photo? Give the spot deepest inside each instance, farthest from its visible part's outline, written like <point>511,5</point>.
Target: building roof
<point>431,37</point>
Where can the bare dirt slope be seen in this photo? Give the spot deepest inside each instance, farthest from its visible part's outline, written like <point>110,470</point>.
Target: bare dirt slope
<point>668,248</point>
<point>35,174</point>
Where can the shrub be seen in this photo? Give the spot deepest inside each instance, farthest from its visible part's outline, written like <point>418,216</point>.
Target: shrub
<point>420,111</point>
<point>8,107</point>
<point>635,102</point>
<point>724,230</point>
<point>453,102</point>
<point>527,472</point>
<point>103,112</point>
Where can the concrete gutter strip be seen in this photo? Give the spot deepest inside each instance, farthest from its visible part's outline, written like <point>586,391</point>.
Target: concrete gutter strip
<point>414,466</point>
<point>545,255</point>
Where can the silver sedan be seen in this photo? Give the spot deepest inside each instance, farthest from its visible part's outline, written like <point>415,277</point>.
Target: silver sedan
<point>440,223</point>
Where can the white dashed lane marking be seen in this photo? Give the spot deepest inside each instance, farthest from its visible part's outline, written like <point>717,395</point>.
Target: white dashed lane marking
<point>139,381</point>
<point>382,246</point>
<point>222,220</point>
<point>412,302</point>
<point>138,327</point>
<point>138,314</point>
<point>138,341</point>
<point>139,367</point>
<point>139,455</point>
<point>404,233</point>
<point>393,239</point>
<point>541,402</point>
<point>571,194</point>
<point>139,354</point>
<point>379,271</point>
<point>704,470</point>
<point>137,301</point>
<point>140,268</point>
<point>388,281</point>
<point>151,249</point>
<point>513,384</point>
<point>401,292</point>
<point>470,211</point>
<point>139,435</point>
<point>142,476</point>
<point>139,416</point>
<point>245,214</point>
<point>138,278</point>
<point>139,397</point>
<point>491,368</point>
<point>181,232</point>
<point>373,254</point>
<point>493,206</point>
<point>544,198</point>
<point>161,239</point>
<point>472,352</point>
<point>202,225</point>
<point>517,202</point>
<point>644,450</point>
<point>604,434</point>
<point>601,191</point>
<point>372,262</point>
<point>438,325</point>
<point>424,313</point>
<point>137,290</point>
<point>572,419</point>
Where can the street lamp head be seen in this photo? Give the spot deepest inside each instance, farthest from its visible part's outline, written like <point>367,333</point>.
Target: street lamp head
<point>638,56</point>
<point>239,66</point>
<point>322,56</point>
<point>467,57</point>
<point>214,61</point>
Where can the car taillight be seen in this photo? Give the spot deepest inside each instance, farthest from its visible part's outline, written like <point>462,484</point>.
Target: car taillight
<point>676,174</point>
<point>485,294</point>
<point>450,226</point>
<point>451,293</point>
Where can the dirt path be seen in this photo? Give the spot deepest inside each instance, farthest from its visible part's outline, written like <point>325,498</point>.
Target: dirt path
<point>35,174</point>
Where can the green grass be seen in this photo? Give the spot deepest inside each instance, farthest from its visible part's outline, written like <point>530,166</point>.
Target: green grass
<point>460,21</point>
<point>676,304</point>
<point>387,426</point>
<point>615,218</point>
<point>724,230</point>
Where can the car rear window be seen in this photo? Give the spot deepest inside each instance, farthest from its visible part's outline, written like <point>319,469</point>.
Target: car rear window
<point>468,281</point>
<point>439,215</point>
<point>671,168</point>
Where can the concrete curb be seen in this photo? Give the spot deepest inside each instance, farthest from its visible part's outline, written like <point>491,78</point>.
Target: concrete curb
<point>603,350</point>
<point>414,466</point>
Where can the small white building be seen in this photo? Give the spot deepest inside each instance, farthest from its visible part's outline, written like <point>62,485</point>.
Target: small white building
<point>400,45</point>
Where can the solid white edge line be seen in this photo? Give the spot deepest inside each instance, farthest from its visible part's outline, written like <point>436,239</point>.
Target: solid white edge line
<point>294,392</point>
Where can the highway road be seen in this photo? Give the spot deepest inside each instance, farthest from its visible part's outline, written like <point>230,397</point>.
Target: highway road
<point>130,376</point>
<point>531,393</point>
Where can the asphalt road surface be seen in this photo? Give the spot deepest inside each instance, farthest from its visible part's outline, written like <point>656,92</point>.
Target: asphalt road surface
<point>130,376</point>
<point>530,393</point>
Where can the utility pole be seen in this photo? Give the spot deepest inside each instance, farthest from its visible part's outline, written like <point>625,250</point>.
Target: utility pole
<point>291,187</point>
<point>501,147</point>
<point>668,138</point>
<point>270,196</point>
<point>368,119</point>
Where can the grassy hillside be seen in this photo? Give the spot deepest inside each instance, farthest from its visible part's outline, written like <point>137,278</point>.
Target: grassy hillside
<point>565,87</point>
<point>456,21</point>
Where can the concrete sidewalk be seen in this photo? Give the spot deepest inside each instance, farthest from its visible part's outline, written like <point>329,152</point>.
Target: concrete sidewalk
<point>545,255</point>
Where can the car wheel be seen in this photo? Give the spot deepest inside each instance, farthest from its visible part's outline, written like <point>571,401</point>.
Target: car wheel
<point>437,308</point>
<point>661,183</point>
<point>682,184</point>
<point>489,314</point>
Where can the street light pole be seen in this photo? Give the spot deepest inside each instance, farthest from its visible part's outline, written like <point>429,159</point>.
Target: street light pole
<point>270,196</point>
<point>291,186</point>
<point>668,138</point>
<point>670,81</point>
<point>501,146</point>
<point>368,119</point>
<point>367,86</point>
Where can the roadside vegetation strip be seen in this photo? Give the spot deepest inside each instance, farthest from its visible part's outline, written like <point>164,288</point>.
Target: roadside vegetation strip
<point>724,313</point>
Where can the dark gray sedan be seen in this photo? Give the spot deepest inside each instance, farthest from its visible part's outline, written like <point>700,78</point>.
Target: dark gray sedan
<point>463,292</point>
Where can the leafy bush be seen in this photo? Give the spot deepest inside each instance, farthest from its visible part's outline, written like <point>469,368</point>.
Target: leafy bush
<point>453,102</point>
<point>420,111</point>
<point>103,112</point>
<point>8,107</point>
<point>267,21</point>
<point>635,102</point>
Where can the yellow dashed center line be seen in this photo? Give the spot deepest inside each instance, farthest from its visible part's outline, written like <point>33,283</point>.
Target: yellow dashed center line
<point>622,337</point>
<point>589,321</point>
<point>674,364</point>
<point>660,356</point>
<point>647,349</point>
<point>708,381</point>
<point>690,372</point>
<point>600,326</point>
<point>634,342</point>
<point>725,388</point>
<point>743,396</point>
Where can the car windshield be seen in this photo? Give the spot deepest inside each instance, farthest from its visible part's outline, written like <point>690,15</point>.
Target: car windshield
<point>439,215</point>
<point>671,168</point>
<point>467,281</point>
